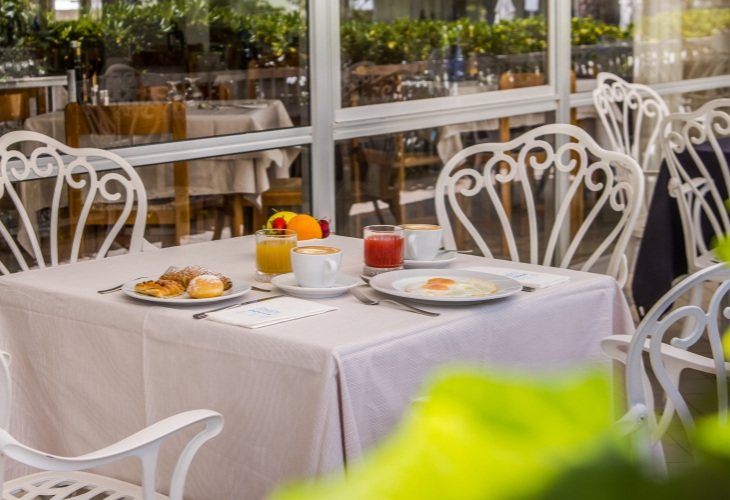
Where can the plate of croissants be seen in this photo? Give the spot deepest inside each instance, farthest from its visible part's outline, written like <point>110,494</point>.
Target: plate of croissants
<point>186,286</point>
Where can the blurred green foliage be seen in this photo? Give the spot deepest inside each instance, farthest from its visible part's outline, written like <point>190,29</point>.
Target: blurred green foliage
<point>510,436</point>
<point>275,34</point>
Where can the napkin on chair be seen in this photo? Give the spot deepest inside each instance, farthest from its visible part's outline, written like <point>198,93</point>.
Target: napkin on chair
<point>269,312</point>
<point>526,278</point>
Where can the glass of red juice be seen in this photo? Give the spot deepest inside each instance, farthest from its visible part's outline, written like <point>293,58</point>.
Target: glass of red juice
<point>383,249</point>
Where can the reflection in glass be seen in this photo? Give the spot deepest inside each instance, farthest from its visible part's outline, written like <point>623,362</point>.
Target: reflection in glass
<point>192,93</point>
<point>452,48</point>
<point>173,94</point>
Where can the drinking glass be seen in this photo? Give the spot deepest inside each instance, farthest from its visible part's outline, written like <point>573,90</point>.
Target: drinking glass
<point>383,249</point>
<point>273,247</point>
<point>173,94</point>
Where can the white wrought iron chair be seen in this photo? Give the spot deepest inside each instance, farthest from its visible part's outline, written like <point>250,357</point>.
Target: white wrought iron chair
<point>63,478</point>
<point>631,114</point>
<point>669,355</point>
<point>615,180</point>
<point>81,178</point>
<point>699,178</point>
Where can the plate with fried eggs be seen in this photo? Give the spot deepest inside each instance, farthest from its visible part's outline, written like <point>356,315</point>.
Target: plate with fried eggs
<point>451,286</point>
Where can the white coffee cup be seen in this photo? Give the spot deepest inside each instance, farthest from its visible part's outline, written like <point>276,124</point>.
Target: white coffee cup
<point>315,266</point>
<point>423,241</point>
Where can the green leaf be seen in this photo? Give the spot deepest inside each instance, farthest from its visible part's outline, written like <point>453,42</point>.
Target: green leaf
<point>483,436</point>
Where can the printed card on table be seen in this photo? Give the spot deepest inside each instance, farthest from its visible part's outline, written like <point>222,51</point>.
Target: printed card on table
<point>269,312</point>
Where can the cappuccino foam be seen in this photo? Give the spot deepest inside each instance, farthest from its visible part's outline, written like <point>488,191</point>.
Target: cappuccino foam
<point>315,250</point>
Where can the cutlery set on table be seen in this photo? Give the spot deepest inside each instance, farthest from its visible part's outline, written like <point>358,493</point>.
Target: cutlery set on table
<point>402,265</point>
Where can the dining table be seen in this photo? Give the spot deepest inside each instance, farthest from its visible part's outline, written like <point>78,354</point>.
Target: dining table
<point>662,257</point>
<point>246,174</point>
<point>301,399</point>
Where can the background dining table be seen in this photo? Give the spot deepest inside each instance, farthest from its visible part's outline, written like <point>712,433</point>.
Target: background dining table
<point>300,398</point>
<point>662,257</point>
<point>247,174</point>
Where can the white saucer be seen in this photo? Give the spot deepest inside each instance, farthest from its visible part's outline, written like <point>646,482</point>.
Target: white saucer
<point>441,260</point>
<point>288,284</point>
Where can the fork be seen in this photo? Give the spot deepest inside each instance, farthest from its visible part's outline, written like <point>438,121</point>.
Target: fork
<point>373,302</point>
<point>119,287</point>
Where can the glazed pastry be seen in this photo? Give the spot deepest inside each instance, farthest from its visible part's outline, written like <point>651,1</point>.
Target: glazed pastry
<point>205,286</point>
<point>186,274</point>
<point>162,289</point>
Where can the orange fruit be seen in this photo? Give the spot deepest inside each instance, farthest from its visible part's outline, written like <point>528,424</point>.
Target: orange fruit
<point>306,226</point>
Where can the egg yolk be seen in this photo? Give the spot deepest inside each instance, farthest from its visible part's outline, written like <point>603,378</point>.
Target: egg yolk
<point>435,286</point>
<point>442,281</point>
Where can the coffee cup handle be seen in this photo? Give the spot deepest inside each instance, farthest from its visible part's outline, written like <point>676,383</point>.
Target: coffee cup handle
<point>332,268</point>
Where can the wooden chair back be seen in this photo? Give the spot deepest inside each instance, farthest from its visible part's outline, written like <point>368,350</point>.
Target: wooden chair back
<point>14,105</point>
<point>369,84</point>
<point>509,80</point>
<point>145,118</point>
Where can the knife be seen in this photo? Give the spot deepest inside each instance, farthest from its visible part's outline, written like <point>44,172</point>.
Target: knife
<point>203,314</point>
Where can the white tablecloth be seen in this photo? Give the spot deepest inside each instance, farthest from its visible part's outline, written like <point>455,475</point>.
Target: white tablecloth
<point>299,398</point>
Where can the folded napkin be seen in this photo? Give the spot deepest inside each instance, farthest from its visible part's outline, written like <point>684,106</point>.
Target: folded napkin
<point>526,278</point>
<point>269,312</point>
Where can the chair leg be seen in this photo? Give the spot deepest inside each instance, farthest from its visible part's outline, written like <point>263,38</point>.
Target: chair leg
<point>237,215</point>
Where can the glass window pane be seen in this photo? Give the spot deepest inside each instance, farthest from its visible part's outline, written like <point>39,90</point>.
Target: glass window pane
<point>393,51</point>
<point>651,42</point>
<point>223,57</point>
<point>228,196</point>
<point>377,185</point>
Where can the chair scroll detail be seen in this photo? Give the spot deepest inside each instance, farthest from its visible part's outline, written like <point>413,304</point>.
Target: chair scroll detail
<point>702,184</point>
<point>669,355</point>
<point>66,482</point>
<point>562,149</point>
<point>93,173</point>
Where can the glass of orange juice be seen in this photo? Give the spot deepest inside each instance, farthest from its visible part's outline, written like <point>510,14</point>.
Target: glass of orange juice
<point>273,248</point>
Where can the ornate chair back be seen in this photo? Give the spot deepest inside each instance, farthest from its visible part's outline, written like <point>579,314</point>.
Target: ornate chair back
<point>614,178</point>
<point>90,173</point>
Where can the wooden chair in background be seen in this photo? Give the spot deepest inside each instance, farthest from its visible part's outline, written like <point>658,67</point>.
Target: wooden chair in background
<point>282,83</point>
<point>15,104</point>
<point>139,119</point>
<point>507,81</point>
<point>376,84</point>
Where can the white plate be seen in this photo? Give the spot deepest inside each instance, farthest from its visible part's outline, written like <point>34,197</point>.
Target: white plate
<point>239,288</point>
<point>441,260</point>
<point>288,284</point>
<point>394,283</point>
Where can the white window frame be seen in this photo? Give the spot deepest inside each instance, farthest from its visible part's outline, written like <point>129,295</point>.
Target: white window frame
<point>330,122</point>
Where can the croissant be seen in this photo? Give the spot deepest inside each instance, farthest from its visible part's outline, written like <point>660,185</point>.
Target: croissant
<point>185,275</point>
<point>162,289</point>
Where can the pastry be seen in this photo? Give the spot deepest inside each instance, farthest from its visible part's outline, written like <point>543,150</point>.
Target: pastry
<point>186,274</point>
<point>162,289</point>
<point>205,286</point>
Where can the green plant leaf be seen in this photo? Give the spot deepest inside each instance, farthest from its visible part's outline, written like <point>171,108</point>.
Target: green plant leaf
<point>483,436</point>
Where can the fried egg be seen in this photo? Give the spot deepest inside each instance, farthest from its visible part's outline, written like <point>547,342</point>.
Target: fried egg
<point>452,288</point>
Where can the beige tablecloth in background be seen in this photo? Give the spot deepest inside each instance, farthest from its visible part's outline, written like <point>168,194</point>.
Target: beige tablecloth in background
<point>299,398</point>
<point>246,173</point>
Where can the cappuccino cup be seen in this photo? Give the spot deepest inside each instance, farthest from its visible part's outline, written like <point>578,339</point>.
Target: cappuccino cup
<point>422,241</point>
<point>315,266</point>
